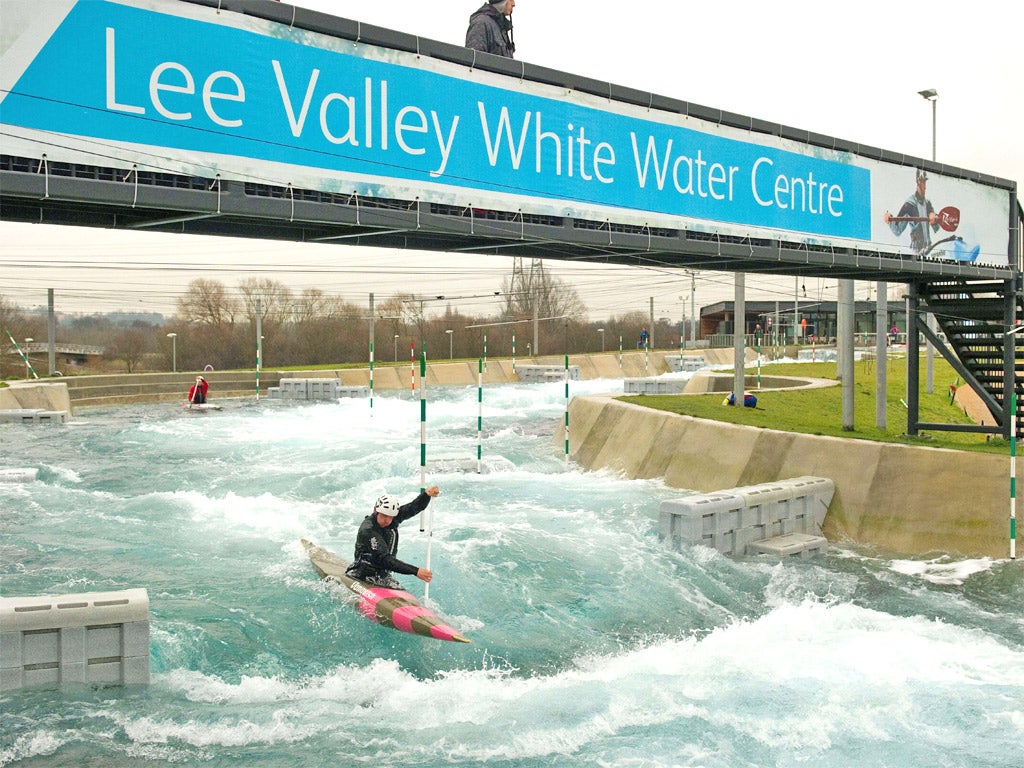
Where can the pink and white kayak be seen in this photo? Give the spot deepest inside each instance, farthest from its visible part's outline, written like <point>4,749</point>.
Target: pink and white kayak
<point>388,607</point>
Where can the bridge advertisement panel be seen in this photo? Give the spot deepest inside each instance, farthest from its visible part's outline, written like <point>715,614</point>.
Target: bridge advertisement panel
<point>181,88</point>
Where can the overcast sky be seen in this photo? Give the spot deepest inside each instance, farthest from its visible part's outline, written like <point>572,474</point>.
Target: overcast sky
<point>851,70</point>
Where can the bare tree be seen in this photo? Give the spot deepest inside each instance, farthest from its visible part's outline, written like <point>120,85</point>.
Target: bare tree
<point>311,304</point>
<point>207,302</point>
<point>12,320</point>
<point>277,304</point>
<point>131,346</point>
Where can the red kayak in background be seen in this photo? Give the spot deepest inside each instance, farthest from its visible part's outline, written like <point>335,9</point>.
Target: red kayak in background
<point>388,607</point>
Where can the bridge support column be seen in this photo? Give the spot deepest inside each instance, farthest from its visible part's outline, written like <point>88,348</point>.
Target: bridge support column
<point>913,358</point>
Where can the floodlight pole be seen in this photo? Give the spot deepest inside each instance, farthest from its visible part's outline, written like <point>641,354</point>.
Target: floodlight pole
<point>930,94</point>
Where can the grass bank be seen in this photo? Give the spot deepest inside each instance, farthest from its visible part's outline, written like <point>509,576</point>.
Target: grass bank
<point>819,411</point>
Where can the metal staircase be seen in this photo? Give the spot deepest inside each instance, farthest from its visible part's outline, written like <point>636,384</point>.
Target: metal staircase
<point>974,317</point>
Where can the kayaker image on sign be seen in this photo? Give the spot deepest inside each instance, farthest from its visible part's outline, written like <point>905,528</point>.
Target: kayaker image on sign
<point>918,215</point>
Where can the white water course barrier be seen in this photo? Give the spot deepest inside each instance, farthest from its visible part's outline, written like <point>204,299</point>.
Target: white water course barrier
<point>18,474</point>
<point>684,363</point>
<point>540,373</point>
<point>315,389</point>
<point>780,518</point>
<point>654,385</point>
<point>33,416</point>
<point>92,637</point>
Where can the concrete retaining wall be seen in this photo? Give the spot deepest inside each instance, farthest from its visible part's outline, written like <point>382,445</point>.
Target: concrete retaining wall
<point>904,499</point>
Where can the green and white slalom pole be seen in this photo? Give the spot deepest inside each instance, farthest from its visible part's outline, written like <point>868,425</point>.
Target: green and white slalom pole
<point>371,378</point>
<point>479,415</point>
<point>1013,472</point>
<point>423,422</point>
<point>24,357</point>
<point>485,350</point>
<point>567,409</point>
<point>423,461</point>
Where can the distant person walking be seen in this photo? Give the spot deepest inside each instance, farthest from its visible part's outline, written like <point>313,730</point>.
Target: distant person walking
<point>642,343</point>
<point>490,28</point>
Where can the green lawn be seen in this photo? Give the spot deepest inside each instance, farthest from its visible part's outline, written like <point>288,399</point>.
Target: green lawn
<point>819,411</point>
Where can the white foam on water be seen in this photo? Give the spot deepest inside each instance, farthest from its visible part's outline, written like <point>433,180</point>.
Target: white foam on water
<point>801,678</point>
<point>943,570</point>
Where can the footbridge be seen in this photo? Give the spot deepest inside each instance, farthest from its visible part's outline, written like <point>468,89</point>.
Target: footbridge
<point>333,131</point>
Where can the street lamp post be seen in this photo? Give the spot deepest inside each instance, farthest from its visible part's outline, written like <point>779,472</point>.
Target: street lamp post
<point>932,95</point>
<point>174,351</point>
<point>28,369</point>
<point>451,335</point>
<point>601,331</point>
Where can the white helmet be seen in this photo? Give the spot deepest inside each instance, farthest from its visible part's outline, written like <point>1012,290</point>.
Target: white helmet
<point>386,504</point>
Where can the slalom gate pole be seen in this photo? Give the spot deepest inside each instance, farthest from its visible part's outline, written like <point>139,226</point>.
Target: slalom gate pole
<point>647,348</point>
<point>479,414</point>
<point>412,367</point>
<point>430,538</point>
<point>513,351</point>
<point>680,350</point>
<point>423,424</point>
<point>371,378</point>
<point>24,357</point>
<point>1013,473</point>
<point>620,353</point>
<point>566,408</point>
<point>485,350</point>
<point>259,364</point>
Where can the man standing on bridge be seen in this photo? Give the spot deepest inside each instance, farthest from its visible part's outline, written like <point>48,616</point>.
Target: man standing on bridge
<point>490,28</point>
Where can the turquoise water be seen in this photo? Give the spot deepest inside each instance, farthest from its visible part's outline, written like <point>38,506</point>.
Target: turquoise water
<point>594,644</point>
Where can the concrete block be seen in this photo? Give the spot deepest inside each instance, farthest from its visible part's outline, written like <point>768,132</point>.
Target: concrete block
<point>350,391</point>
<point>734,520</point>
<point>321,389</point>
<point>97,637</point>
<point>73,673</point>
<point>541,373</point>
<point>653,386</point>
<point>135,639</point>
<point>45,675</point>
<point>52,417</point>
<point>106,672</point>
<point>791,544</point>
<point>687,363</point>
<point>10,650</point>
<point>748,517</point>
<point>20,415</point>
<point>41,647</point>
<point>135,670</point>
<point>72,645</point>
<point>18,475</point>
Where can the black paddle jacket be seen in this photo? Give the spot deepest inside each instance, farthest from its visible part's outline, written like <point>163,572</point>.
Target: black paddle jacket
<point>376,546</point>
<point>490,31</point>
